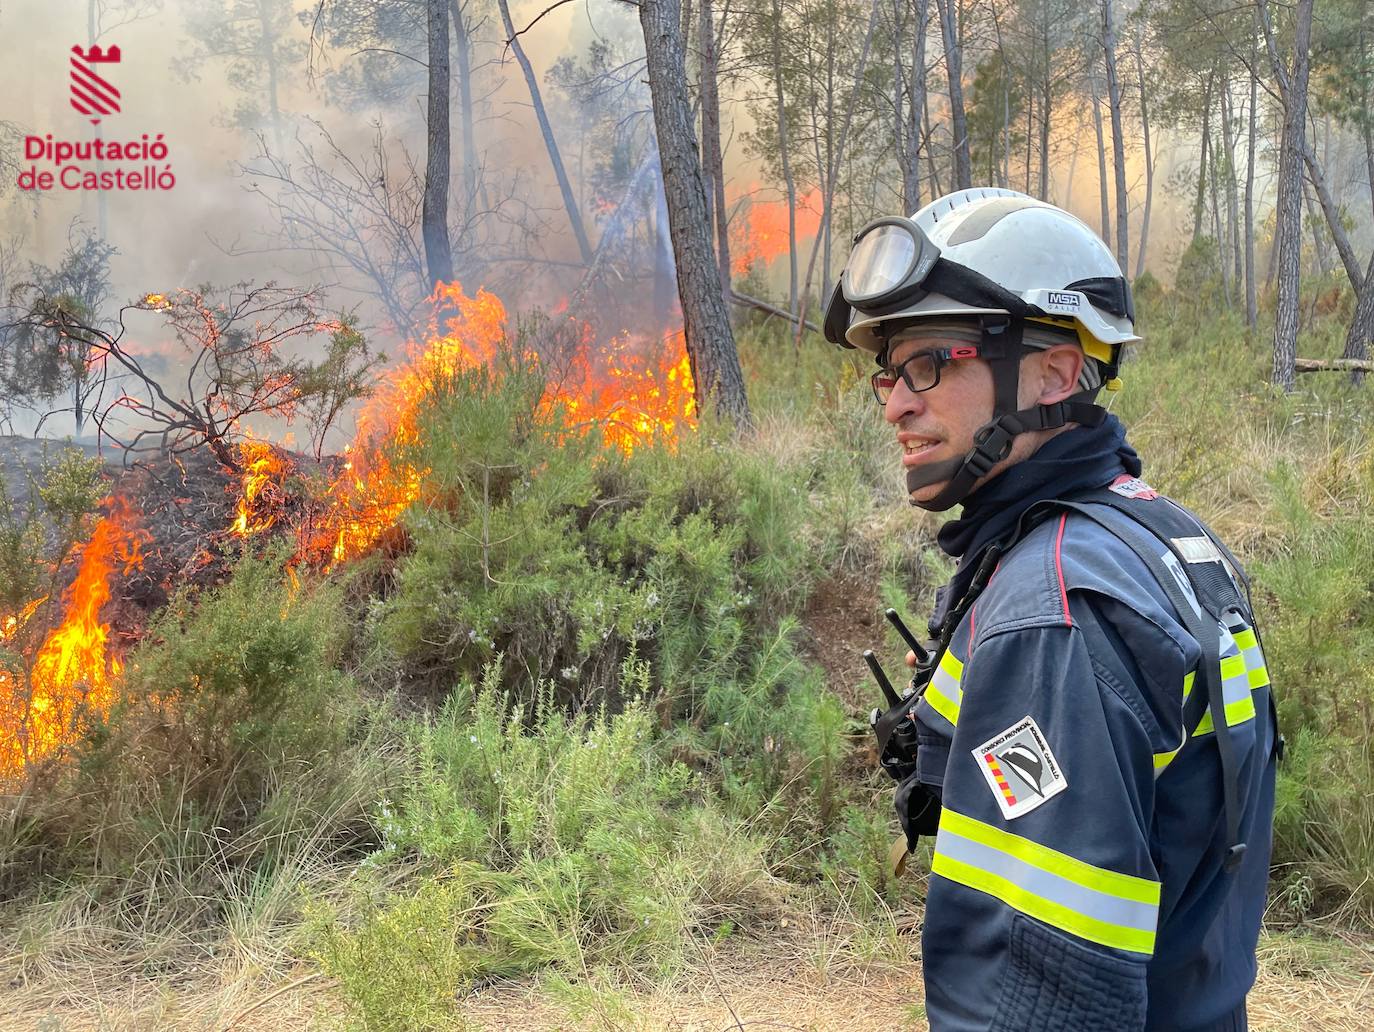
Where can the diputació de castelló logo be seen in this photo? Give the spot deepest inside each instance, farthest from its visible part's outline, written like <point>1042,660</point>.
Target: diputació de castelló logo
<point>54,163</point>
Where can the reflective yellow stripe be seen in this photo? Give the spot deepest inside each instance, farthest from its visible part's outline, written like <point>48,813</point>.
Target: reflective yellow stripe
<point>1051,913</point>
<point>1094,903</point>
<point>1240,711</point>
<point>1259,677</point>
<point>1246,639</point>
<point>944,693</point>
<point>1163,759</point>
<point>1127,886</point>
<point>1232,666</point>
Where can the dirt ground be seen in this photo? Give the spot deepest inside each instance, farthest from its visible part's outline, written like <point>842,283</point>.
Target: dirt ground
<point>803,984</point>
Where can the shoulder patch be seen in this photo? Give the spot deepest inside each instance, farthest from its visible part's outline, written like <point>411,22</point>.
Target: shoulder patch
<point>1020,768</point>
<point>1133,487</point>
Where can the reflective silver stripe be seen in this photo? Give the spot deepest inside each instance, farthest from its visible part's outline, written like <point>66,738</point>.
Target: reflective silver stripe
<point>1197,549</point>
<point>943,694</point>
<point>1248,641</point>
<point>1235,681</point>
<point>1108,909</point>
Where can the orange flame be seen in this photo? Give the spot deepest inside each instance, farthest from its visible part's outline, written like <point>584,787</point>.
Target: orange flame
<point>637,395</point>
<point>263,470</point>
<point>759,233</point>
<point>70,670</point>
<point>633,392</point>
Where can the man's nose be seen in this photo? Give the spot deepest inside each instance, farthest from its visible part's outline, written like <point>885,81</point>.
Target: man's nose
<point>902,402</point>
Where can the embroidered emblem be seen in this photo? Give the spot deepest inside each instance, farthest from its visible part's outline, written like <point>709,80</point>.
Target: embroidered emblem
<point>1020,768</point>
<point>1133,487</point>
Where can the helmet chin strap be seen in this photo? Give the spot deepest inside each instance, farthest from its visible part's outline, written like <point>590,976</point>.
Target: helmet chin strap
<point>1003,350</point>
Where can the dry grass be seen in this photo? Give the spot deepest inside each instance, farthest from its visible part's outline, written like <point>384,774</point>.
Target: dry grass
<point>816,974</point>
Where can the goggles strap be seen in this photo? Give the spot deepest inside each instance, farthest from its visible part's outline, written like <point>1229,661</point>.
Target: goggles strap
<point>973,288</point>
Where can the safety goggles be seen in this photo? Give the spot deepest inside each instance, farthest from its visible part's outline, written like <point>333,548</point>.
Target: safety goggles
<point>921,371</point>
<point>889,262</point>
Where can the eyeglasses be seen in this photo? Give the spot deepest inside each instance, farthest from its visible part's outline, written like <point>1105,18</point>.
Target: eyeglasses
<point>920,372</point>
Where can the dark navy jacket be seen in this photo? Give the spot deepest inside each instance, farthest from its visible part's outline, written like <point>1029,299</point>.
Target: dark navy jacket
<point>1077,878</point>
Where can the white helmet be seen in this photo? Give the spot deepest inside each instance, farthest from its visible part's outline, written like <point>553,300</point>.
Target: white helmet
<point>1009,262</point>
<point>1058,267</point>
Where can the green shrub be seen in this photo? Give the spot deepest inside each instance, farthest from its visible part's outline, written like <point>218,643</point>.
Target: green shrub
<point>564,846</point>
<point>225,763</point>
<point>534,544</point>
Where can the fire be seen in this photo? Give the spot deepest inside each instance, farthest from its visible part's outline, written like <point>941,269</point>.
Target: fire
<point>70,670</point>
<point>263,469</point>
<point>759,233</point>
<point>375,488</point>
<point>638,395</point>
<point>623,387</point>
<point>632,389</point>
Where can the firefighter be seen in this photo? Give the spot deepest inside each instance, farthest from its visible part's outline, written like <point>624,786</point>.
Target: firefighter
<point>1091,740</point>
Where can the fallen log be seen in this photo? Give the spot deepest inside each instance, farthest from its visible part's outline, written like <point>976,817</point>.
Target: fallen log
<point>745,301</point>
<point>1334,365</point>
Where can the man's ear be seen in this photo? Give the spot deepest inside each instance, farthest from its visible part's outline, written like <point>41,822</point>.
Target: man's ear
<point>1060,368</point>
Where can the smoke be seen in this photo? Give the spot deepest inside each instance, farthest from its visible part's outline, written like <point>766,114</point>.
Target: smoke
<point>216,226</point>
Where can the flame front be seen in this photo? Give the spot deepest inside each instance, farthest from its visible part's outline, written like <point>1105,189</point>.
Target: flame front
<point>71,670</point>
<point>635,390</point>
<point>623,387</point>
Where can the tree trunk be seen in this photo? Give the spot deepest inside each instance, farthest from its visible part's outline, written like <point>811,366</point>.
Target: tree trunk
<point>1201,198</point>
<point>1045,106</point>
<point>1362,325</point>
<point>1218,233</point>
<point>1073,169</point>
<point>1332,212</point>
<point>1367,131</point>
<point>269,61</point>
<point>911,165</point>
<point>546,130</point>
<point>1219,168</point>
<point>706,320</point>
<point>715,166</point>
<point>932,168</point>
<point>1308,156</point>
<point>949,33</point>
<point>783,148</point>
<point>1149,162</point>
<point>1118,142</point>
<point>1006,111</point>
<point>1101,164</point>
<point>1289,212</point>
<point>1232,193</point>
<point>462,53</point>
<point>1320,247</point>
<point>1030,131</point>
<point>1251,293</point>
<point>832,167</point>
<point>833,157</point>
<point>434,215</point>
